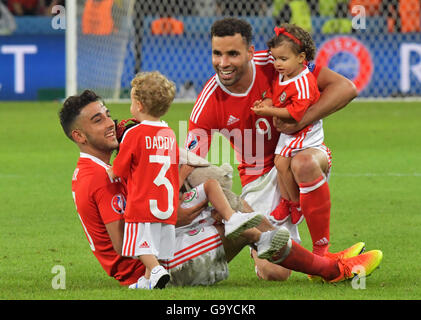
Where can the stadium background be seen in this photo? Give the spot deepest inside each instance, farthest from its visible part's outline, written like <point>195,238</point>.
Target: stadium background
<point>375,43</point>
<point>375,183</point>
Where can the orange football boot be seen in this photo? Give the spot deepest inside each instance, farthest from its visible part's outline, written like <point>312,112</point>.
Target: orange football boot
<point>362,265</point>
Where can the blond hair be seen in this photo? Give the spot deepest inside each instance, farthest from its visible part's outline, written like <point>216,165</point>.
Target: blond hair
<point>154,91</point>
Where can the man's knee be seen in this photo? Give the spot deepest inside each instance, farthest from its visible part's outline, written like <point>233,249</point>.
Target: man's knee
<point>305,167</point>
<point>308,165</point>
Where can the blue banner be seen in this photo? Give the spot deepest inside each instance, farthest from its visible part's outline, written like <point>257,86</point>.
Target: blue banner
<point>29,63</point>
<point>380,64</point>
<point>388,67</point>
<point>384,68</point>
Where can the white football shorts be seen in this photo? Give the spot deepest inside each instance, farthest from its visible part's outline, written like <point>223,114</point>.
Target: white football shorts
<point>149,238</point>
<point>199,257</point>
<point>263,196</point>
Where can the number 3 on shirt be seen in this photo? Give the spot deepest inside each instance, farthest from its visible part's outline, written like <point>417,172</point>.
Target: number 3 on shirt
<point>160,180</point>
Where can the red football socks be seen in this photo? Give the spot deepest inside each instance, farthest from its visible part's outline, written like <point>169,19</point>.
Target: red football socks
<point>302,260</point>
<point>315,206</point>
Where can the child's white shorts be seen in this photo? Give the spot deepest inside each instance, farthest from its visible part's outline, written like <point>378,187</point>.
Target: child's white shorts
<point>146,238</point>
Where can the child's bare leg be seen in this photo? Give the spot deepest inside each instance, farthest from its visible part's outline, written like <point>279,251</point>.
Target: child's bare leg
<point>150,262</point>
<point>291,186</point>
<point>234,246</point>
<point>281,166</point>
<point>155,274</point>
<point>235,222</point>
<point>218,199</point>
<point>286,177</point>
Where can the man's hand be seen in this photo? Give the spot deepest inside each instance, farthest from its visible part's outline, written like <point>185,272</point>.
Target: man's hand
<point>185,216</point>
<point>217,216</point>
<point>286,126</point>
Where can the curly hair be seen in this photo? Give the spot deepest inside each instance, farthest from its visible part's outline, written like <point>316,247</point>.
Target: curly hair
<point>72,107</point>
<point>154,91</point>
<point>307,44</point>
<point>231,26</point>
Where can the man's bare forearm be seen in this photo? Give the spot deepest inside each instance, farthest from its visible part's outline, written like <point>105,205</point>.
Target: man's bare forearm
<point>333,98</point>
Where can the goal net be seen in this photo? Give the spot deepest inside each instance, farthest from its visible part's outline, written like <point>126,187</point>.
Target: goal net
<point>101,33</point>
<point>376,44</point>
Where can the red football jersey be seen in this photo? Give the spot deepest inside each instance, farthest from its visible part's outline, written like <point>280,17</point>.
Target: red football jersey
<point>100,201</point>
<point>296,94</point>
<point>148,161</point>
<point>253,137</point>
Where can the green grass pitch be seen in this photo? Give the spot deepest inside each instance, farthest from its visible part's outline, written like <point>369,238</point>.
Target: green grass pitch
<point>376,197</point>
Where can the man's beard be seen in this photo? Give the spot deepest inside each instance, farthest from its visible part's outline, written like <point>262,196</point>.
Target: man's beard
<point>102,145</point>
